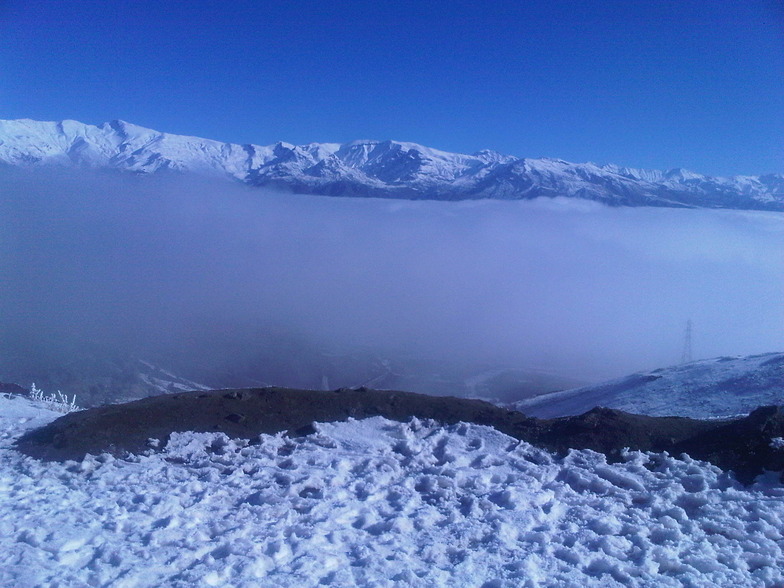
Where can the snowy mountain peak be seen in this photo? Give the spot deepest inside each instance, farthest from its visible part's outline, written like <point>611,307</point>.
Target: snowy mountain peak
<point>681,174</point>
<point>126,129</point>
<point>490,156</point>
<point>388,169</point>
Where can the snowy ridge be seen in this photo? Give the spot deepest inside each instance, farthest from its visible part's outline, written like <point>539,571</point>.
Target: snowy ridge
<point>387,169</point>
<point>162,381</point>
<point>711,388</point>
<point>379,503</point>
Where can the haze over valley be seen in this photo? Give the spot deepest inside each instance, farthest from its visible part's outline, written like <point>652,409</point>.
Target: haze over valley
<point>194,279</point>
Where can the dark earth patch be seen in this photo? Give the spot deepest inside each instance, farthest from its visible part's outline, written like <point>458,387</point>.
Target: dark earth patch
<point>742,445</point>
<point>12,389</point>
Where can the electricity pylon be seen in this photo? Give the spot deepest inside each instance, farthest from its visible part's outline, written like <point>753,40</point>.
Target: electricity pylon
<point>686,357</point>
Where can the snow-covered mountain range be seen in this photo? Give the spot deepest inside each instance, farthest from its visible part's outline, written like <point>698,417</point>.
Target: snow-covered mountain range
<point>386,169</point>
<point>709,388</point>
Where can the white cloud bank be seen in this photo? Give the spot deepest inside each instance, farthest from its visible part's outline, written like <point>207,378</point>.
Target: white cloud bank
<point>570,285</point>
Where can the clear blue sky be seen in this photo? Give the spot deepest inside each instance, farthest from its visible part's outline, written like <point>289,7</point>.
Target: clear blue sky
<point>655,83</point>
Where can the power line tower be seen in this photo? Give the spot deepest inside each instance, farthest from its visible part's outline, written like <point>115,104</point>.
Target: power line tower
<point>686,357</point>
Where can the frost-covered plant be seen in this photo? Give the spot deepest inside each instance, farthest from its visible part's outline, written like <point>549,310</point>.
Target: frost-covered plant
<point>777,443</point>
<point>58,402</point>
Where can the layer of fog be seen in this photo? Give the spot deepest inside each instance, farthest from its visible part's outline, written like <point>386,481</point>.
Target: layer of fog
<point>158,264</point>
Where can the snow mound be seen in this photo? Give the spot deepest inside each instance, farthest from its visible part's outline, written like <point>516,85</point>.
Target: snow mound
<point>711,388</point>
<point>382,503</point>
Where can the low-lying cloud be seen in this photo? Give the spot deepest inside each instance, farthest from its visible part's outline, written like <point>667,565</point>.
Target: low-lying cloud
<point>157,263</point>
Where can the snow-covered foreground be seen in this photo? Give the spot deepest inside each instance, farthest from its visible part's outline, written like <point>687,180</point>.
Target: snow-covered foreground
<point>378,503</point>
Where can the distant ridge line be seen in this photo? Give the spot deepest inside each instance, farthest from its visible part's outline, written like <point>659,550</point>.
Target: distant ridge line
<point>378,169</point>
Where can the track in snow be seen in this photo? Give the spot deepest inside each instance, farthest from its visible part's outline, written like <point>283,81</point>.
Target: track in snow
<point>379,503</point>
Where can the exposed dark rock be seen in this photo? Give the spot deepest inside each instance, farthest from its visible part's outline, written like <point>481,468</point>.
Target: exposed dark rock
<point>609,431</point>
<point>742,445</point>
<point>6,388</point>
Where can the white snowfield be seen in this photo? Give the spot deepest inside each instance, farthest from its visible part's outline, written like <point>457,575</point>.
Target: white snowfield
<point>709,388</point>
<point>378,503</point>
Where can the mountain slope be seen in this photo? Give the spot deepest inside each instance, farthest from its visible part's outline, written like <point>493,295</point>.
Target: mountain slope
<point>386,169</point>
<point>720,387</point>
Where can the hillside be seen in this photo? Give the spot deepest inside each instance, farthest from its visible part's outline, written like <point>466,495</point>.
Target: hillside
<point>719,387</point>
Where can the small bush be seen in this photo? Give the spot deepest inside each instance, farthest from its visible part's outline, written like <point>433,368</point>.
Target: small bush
<point>58,402</point>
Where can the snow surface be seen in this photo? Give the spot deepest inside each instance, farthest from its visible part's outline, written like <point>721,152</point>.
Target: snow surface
<point>378,503</point>
<point>709,388</point>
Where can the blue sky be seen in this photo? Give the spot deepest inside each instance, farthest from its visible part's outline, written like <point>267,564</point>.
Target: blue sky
<point>655,84</point>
